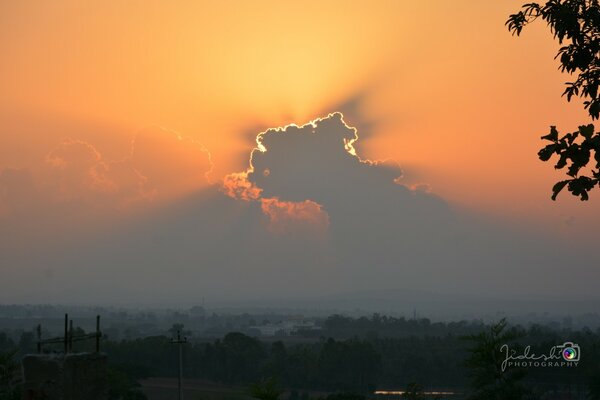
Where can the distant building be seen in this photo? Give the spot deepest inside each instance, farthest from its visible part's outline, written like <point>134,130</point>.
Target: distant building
<point>285,328</point>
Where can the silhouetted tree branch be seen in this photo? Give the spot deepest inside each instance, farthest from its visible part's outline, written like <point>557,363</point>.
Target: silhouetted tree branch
<point>576,26</point>
<point>488,380</point>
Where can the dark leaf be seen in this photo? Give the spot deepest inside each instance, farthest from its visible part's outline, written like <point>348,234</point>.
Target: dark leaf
<point>552,136</point>
<point>547,152</point>
<point>586,131</point>
<point>557,188</point>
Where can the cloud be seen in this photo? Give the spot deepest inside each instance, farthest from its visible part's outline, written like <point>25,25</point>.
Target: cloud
<point>80,174</point>
<point>317,162</point>
<point>308,217</point>
<point>237,186</point>
<point>366,204</point>
<point>286,215</point>
<point>161,165</point>
<point>75,192</point>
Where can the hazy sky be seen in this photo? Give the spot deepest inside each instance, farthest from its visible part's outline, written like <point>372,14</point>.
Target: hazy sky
<point>127,131</point>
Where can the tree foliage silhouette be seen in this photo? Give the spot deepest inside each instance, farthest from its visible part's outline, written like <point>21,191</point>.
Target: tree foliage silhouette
<point>576,26</point>
<point>488,380</point>
<point>267,389</point>
<point>9,367</point>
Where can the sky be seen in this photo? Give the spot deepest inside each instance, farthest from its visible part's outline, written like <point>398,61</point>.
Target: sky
<point>153,151</point>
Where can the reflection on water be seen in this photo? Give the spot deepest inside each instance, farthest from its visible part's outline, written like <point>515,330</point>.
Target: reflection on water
<point>401,392</point>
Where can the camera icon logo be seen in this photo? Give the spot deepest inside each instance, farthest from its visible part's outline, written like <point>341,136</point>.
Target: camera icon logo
<point>569,351</point>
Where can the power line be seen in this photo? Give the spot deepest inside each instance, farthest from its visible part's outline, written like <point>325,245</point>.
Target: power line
<point>180,342</point>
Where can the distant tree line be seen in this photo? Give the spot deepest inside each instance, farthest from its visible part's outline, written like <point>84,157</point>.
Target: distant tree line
<point>380,326</point>
<point>356,355</point>
<point>238,359</point>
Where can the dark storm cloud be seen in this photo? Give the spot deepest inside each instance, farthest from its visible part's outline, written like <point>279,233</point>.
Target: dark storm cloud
<point>318,161</point>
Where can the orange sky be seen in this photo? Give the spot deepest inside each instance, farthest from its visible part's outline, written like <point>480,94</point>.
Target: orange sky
<point>448,92</point>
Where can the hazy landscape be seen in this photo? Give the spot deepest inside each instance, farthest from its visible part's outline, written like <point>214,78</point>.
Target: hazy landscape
<point>317,200</point>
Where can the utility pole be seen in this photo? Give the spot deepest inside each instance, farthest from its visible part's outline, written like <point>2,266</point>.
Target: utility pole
<point>39,338</point>
<point>180,342</point>
<point>66,338</point>
<point>69,336</point>
<point>98,334</point>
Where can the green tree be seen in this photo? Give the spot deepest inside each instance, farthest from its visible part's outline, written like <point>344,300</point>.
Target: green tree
<point>594,385</point>
<point>121,386</point>
<point>266,389</point>
<point>576,26</point>
<point>179,328</point>
<point>27,342</point>
<point>351,365</point>
<point>277,362</point>
<point>235,359</point>
<point>9,385</point>
<point>488,380</point>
